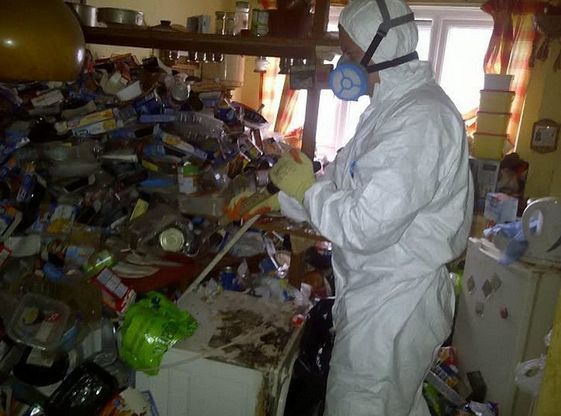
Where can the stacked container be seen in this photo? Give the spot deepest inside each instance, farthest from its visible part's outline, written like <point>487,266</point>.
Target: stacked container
<point>493,117</point>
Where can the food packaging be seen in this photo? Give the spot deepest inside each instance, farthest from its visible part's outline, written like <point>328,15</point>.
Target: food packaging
<point>496,101</point>
<point>115,294</point>
<point>488,146</point>
<point>130,92</point>
<point>493,123</point>
<point>49,98</point>
<point>39,321</point>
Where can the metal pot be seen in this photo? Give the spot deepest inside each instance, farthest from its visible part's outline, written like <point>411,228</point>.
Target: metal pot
<point>87,15</point>
<point>111,15</point>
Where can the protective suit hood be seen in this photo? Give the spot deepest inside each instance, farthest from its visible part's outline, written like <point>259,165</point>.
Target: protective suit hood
<point>361,19</point>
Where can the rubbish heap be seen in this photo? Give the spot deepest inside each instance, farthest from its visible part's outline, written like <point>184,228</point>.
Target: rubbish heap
<point>116,192</point>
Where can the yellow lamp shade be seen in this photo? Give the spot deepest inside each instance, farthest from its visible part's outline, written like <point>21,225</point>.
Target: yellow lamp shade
<point>40,40</point>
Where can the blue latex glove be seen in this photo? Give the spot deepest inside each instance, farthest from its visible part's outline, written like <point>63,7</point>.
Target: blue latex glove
<point>517,244</point>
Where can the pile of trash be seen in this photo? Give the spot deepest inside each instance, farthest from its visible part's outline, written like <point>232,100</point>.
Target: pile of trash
<point>112,187</point>
<point>447,394</point>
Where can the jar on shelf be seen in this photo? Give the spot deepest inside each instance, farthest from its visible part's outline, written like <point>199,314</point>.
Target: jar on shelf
<point>230,24</point>
<point>241,17</point>
<point>260,22</point>
<point>220,23</point>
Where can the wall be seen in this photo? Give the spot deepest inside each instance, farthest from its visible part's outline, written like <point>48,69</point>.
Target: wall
<point>543,100</point>
<point>249,94</point>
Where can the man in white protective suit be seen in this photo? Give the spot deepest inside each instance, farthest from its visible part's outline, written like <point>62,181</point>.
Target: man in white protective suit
<point>396,203</point>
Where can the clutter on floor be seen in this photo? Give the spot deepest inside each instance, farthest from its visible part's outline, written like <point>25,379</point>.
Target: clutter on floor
<point>120,193</point>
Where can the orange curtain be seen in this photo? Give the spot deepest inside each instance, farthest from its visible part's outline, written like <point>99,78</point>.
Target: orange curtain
<point>269,94</point>
<point>510,48</point>
<point>289,99</point>
<point>279,101</point>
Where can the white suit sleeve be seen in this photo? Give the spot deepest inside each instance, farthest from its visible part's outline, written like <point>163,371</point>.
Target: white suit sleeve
<point>395,178</point>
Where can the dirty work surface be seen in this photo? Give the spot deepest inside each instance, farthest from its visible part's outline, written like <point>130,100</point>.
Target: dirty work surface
<point>239,329</point>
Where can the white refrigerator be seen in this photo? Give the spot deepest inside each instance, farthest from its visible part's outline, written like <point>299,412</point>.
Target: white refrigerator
<point>503,315</point>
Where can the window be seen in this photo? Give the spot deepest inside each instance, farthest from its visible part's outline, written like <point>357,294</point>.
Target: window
<point>453,39</point>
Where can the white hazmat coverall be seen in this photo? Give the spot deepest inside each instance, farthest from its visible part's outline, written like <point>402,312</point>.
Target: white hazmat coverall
<point>396,203</point>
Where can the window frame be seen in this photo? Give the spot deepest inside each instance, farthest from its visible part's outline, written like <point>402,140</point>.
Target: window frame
<point>441,21</point>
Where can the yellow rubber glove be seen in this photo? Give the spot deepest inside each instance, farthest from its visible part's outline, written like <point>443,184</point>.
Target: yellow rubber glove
<point>247,205</point>
<point>293,174</point>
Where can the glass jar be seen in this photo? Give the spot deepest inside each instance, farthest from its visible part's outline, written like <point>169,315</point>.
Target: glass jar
<point>220,23</point>
<point>230,24</point>
<point>260,22</point>
<point>241,17</point>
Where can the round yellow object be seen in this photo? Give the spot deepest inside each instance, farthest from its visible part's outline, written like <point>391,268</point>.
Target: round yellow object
<point>40,40</point>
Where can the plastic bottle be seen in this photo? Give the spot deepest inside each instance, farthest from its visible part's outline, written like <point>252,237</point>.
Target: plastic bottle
<point>188,179</point>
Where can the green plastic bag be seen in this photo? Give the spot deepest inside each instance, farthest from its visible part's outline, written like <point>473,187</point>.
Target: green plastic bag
<point>433,399</point>
<point>151,327</point>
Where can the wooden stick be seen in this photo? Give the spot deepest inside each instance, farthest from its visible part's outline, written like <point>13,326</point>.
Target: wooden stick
<point>247,225</point>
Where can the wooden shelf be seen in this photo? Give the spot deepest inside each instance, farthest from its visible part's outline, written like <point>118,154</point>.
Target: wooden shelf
<point>235,45</point>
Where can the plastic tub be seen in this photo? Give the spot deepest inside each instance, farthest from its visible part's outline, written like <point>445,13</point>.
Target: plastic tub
<point>39,322</point>
<point>497,82</point>
<point>488,146</point>
<point>495,101</point>
<point>493,123</point>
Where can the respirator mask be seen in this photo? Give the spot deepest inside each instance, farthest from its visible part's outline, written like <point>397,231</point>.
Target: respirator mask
<point>349,80</point>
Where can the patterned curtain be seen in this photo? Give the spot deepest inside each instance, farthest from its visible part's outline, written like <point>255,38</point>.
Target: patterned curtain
<point>279,101</point>
<point>510,48</point>
<point>289,99</point>
<point>269,91</point>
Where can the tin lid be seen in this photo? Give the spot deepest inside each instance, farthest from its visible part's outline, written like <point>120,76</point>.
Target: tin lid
<point>172,239</point>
